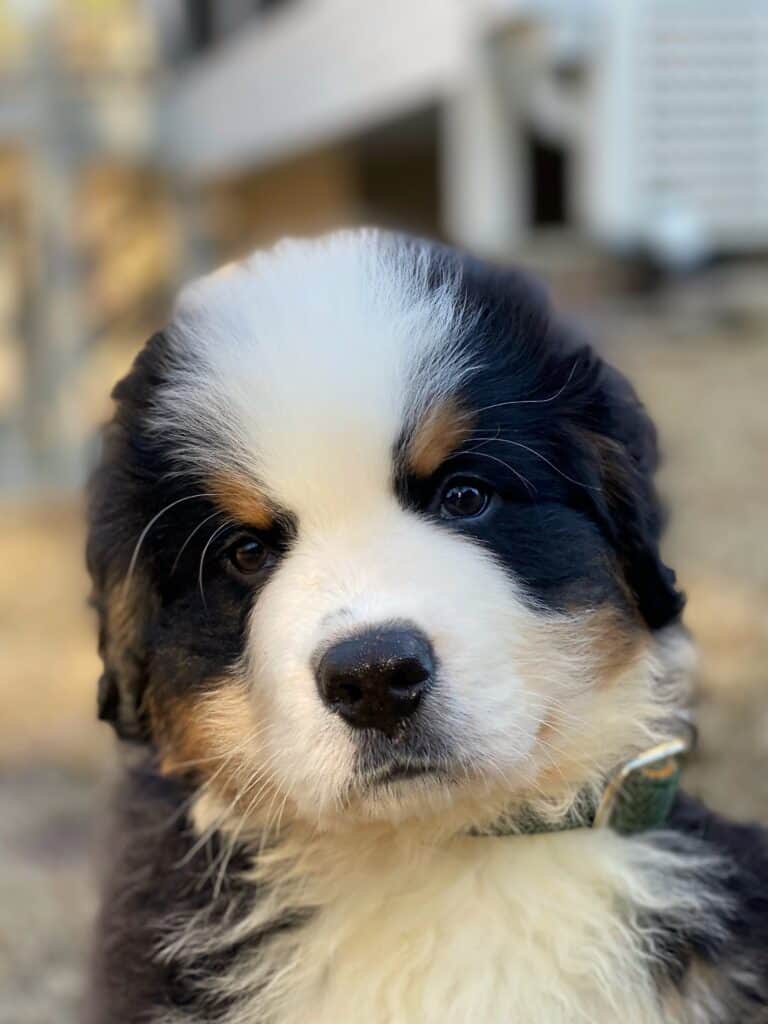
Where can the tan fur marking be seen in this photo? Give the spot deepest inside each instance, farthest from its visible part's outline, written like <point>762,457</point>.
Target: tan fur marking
<point>124,607</point>
<point>617,642</point>
<point>206,735</point>
<point>613,462</point>
<point>121,616</point>
<point>607,638</point>
<point>214,739</point>
<point>614,648</point>
<point>441,430</point>
<point>242,500</point>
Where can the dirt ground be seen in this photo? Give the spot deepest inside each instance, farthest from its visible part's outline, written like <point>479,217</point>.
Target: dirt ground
<point>707,392</point>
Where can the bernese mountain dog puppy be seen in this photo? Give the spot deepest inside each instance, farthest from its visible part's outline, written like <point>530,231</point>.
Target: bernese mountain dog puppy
<point>374,542</point>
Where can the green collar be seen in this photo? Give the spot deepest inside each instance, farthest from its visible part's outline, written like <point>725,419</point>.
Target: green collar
<point>637,797</point>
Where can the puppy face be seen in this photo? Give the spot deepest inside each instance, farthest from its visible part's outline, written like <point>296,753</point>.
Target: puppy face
<point>373,536</point>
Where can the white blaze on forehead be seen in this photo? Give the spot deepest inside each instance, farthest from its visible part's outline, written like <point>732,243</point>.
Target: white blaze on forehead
<point>304,363</point>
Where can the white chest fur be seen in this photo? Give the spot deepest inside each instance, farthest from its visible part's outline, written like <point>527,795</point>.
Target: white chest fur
<point>545,928</point>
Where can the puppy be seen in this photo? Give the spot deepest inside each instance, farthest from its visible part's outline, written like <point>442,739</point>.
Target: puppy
<point>375,550</point>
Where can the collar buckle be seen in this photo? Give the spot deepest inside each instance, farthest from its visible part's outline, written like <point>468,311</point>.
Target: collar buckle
<point>639,793</point>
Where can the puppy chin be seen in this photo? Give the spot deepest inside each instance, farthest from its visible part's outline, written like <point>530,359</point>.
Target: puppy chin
<point>433,800</point>
<point>399,801</point>
<point>428,810</point>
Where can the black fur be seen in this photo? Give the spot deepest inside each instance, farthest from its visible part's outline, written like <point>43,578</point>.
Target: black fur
<point>151,880</point>
<point>741,952</point>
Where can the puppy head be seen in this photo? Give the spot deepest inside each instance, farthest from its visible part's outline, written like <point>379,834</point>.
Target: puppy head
<point>373,536</point>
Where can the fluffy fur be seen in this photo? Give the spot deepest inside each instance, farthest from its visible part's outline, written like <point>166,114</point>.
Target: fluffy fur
<point>277,865</point>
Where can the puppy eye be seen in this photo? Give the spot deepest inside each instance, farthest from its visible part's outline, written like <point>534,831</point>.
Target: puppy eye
<point>464,499</point>
<point>247,555</point>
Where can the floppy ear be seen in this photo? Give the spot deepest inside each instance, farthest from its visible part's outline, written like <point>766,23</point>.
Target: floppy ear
<point>125,603</point>
<point>623,442</point>
<point>124,598</point>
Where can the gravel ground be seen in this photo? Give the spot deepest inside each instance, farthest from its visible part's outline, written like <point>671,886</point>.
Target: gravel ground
<point>707,393</point>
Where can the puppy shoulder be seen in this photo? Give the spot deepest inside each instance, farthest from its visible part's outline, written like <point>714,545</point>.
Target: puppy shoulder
<point>726,966</point>
<point>152,871</point>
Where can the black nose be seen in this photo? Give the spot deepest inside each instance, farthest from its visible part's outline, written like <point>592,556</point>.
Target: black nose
<point>376,679</point>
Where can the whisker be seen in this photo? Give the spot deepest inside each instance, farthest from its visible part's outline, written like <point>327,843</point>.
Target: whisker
<point>478,436</point>
<point>207,834</point>
<point>208,783</point>
<point>186,804</point>
<point>265,777</point>
<point>219,530</point>
<point>221,863</point>
<point>183,547</point>
<point>527,448</point>
<point>268,828</point>
<point>279,822</point>
<point>150,524</point>
<point>196,761</point>
<point>523,480</point>
<point>532,401</point>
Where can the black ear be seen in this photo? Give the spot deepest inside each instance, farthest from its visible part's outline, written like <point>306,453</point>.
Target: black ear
<point>122,593</point>
<point>624,447</point>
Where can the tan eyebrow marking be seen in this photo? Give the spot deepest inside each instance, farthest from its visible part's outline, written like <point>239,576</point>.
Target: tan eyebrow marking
<point>442,429</point>
<point>243,500</point>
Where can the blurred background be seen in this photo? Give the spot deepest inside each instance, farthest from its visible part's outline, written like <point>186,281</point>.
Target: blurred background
<point>619,149</point>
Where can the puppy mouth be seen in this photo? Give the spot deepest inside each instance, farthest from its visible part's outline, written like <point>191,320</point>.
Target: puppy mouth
<point>413,759</point>
<point>401,773</point>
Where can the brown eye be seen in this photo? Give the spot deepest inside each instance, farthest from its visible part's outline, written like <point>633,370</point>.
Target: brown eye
<point>247,555</point>
<point>463,500</point>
